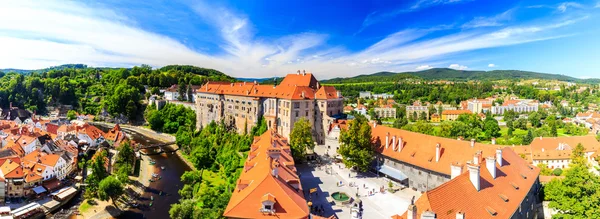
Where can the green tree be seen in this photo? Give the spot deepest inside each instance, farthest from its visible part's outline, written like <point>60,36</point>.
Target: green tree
<point>577,156</point>
<point>110,188</point>
<point>491,128</point>
<point>71,115</point>
<point>423,116</point>
<point>399,122</point>
<point>544,170</point>
<point>521,123</point>
<point>413,116</point>
<point>557,171</point>
<point>527,139</point>
<point>511,128</point>
<point>183,210</point>
<point>301,139</point>
<point>576,195</point>
<point>535,119</point>
<point>356,148</point>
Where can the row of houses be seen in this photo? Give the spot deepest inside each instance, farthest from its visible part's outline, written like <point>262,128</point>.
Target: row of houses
<point>37,155</point>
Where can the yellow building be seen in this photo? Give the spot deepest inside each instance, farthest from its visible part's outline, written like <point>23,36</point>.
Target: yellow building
<point>451,115</point>
<point>435,118</point>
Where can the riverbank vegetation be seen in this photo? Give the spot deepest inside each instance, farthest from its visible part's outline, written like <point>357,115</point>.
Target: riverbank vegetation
<point>171,118</point>
<point>218,153</point>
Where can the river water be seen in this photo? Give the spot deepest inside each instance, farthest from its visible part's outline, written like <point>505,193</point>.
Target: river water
<point>169,184</point>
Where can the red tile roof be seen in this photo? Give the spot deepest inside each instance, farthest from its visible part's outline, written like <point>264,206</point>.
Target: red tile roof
<point>497,196</point>
<point>455,112</point>
<point>293,87</point>
<point>257,183</point>
<point>420,149</point>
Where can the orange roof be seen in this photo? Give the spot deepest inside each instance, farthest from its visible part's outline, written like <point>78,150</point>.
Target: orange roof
<point>420,149</point>
<point>299,79</point>
<point>496,196</point>
<point>93,131</point>
<point>510,102</point>
<point>549,148</point>
<point>327,92</point>
<point>341,124</point>
<point>34,173</point>
<point>11,168</point>
<point>34,156</point>
<point>50,159</point>
<point>293,86</point>
<point>66,128</point>
<point>435,115</point>
<point>455,112</point>
<point>257,183</point>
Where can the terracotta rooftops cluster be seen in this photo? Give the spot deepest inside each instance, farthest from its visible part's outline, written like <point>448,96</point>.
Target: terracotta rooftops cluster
<point>493,188</point>
<point>426,151</point>
<point>294,86</point>
<point>269,186</point>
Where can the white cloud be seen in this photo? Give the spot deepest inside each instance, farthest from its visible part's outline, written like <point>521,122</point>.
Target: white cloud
<point>458,67</point>
<point>491,65</point>
<point>41,34</point>
<point>494,21</point>
<point>597,5</point>
<point>423,67</point>
<point>565,5</point>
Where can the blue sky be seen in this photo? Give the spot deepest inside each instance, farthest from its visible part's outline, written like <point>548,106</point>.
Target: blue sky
<point>329,38</point>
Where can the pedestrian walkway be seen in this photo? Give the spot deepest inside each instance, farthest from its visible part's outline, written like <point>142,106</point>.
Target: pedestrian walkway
<point>376,204</point>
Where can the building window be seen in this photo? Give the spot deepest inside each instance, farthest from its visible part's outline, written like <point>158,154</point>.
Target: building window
<point>296,113</point>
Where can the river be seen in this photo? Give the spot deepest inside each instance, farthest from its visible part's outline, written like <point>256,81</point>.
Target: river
<point>169,184</point>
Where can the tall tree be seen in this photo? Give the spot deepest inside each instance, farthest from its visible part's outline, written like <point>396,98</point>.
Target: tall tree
<point>356,148</point>
<point>301,138</point>
<point>527,139</point>
<point>110,188</point>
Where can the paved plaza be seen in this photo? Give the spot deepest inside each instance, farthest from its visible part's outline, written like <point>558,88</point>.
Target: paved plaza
<point>327,176</point>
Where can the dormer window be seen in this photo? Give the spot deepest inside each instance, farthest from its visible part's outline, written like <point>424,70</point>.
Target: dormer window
<point>268,202</point>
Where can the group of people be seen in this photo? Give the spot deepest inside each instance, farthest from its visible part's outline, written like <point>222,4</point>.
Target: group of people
<point>319,210</point>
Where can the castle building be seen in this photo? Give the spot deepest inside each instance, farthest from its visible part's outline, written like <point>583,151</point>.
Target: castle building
<point>242,104</point>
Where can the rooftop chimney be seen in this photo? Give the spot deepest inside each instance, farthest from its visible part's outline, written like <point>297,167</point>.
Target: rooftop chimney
<point>437,152</point>
<point>303,72</point>
<point>474,175</point>
<point>490,163</point>
<point>387,140</point>
<point>455,170</point>
<point>428,215</point>
<point>477,157</point>
<point>499,156</point>
<point>460,215</point>
<point>394,143</point>
<point>400,144</point>
<point>472,142</point>
<point>275,170</point>
<point>493,140</point>
<point>411,212</point>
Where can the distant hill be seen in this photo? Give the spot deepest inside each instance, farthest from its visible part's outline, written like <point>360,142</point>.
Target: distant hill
<point>60,67</point>
<point>458,75</point>
<point>184,68</point>
<point>377,77</point>
<point>214,74</point>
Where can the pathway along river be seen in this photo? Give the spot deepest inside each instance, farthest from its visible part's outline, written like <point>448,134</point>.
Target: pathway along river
<point>169,184</point>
